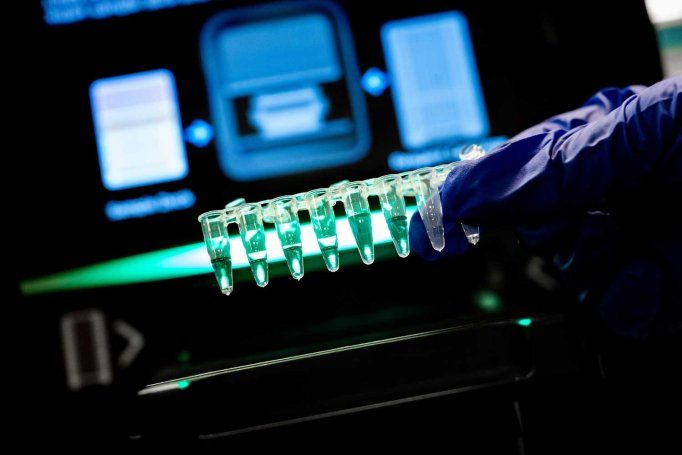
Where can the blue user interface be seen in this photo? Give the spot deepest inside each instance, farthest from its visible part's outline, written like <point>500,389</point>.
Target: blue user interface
<point>278,90</point>
<point>137,125</point>
<point>285,95</point>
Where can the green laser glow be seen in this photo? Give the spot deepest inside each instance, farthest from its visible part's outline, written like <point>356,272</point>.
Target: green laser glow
<point>488,301</point>
<point>189,260</point>
<point>183,384</point>
<point>524,322</point>
<point>183,356</point>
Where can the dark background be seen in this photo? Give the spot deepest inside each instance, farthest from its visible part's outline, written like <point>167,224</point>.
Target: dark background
<point>534,59</point>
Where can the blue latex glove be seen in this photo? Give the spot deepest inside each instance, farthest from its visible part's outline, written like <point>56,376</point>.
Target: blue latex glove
<point>600,190</point>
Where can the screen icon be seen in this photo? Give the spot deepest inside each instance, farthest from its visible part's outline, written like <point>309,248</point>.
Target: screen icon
<point>138,129</point>
<point>436,90</point>
<point>284,89</point>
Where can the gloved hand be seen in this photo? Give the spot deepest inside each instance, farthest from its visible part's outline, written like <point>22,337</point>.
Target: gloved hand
<point>600,190</point>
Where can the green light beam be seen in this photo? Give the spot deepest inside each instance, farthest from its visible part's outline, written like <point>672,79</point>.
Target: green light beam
<point>189,260</point>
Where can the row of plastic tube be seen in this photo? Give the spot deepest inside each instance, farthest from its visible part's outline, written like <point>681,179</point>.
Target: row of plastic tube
<point>423,184</point>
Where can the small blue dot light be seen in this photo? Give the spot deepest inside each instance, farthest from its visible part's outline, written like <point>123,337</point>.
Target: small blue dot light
<point>199,133</point>
<point>374,81</point>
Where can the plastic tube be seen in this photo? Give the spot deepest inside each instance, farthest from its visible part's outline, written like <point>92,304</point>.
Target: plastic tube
<point>218,245</point>
<point>354,196</point>
<point>319,204</point>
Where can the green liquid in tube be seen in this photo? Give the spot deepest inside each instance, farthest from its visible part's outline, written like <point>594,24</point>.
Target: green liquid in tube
<point>329,247</point>
<point>294,257</point>
<point>222,267</point>
<point>331,258</point>
<point>254,243</point>
<point>259,268</point>
<point>397,226</point>
<point>290,236</point>
<point>325,230</point>
<point>361,225</point>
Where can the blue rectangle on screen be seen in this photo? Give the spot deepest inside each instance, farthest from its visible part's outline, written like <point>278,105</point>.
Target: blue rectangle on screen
<point>138,129</point>
<point>284,89</point>
<point>435,85</point>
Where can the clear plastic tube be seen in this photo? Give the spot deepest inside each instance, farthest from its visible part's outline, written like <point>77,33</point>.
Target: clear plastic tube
<point>354,197</point>
<point>319,204</point>
<point>288,227</point>
<point>252,233</point>
<point>471,152</point>
<point>218,246</point>
<point>390,192</point>
<point>425,187</point>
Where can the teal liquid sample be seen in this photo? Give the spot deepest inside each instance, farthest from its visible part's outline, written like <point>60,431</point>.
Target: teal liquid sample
<point>361,225</point>
<point>393,205</point>
<point>254,243</point>
<point>331,258</point>
<point>259,268</point>
<point>294,257</point>
<point>397,226</point>
<point>290,236</point>
<point>222,267</point>
<point>325,230</point>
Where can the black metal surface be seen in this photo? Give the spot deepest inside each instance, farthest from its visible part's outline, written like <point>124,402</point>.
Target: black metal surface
<point>343,380</point>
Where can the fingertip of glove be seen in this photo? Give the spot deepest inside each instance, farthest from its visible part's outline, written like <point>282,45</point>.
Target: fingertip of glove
<point>455,241</point>
<point>419,239</point>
